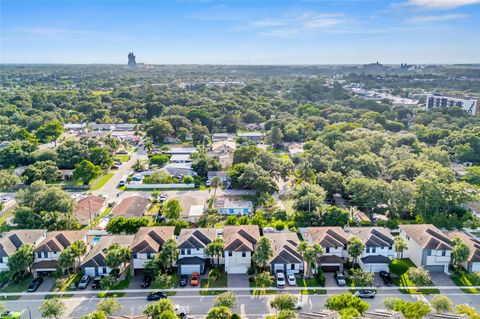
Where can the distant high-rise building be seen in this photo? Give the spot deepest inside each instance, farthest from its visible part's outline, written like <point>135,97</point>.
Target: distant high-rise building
<point>470,105</point>
<point>131,60</point>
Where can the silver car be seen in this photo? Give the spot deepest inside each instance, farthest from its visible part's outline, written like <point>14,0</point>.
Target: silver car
<point>340,277</point>
<point>83,283</point>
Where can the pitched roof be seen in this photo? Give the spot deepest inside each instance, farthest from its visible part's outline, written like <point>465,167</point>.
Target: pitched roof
<point>196,238</point>
<point>284,246</point>
<point>133,206</point>
<point>472,243</point>
<point>428,236</point>
<point>227,144</point>
<point>376,259</point>
<point>96,256</point>
<point>372,236</point>
<point>12,240</point>
<point>57,241</point>
<point>151,239</point>
<point>240,238</point>
<point>328,236</point>
<point>85,206</point>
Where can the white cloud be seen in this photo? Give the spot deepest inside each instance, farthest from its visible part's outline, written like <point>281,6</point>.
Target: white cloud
<point>425,19</point>
<point>294,24</point>
<point>438,4</point>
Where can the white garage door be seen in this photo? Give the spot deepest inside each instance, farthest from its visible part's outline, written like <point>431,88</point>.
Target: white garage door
<point>476,267</point>
<point>376,267</point>
<point>89,271</point>
<point>237,270</point>
<point>189,269</point>
<point>278,267</point>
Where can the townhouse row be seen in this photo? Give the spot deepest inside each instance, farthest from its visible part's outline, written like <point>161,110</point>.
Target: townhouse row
<point>427,246</point>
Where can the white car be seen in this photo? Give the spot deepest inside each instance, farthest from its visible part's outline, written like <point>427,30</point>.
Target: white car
<point>299,304</point>
<point>280,279</point>
<point>292,281</point>
<point>181,311</point>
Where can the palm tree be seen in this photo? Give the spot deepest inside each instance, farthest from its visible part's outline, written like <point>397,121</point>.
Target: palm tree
<point>138,166</point>
<point>216,182</point>
<point>148,146</point>
<point>215,249</point>
<point>305,172</point>
<point>400,245</point>
<point>79,248</point>
<point>352,211</point>
<point>66,260</point>
<point>310,254</point>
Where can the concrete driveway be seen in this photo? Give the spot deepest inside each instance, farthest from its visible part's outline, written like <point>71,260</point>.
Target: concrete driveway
<point>46,286</point>
<point>330,280</point>
<point>238,281</point>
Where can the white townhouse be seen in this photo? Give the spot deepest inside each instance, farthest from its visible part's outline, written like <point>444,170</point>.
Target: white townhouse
<point>334,243</point>
<point>49,249</point>
<point>14,239</point>
<point>285,256</point>
<point>472,264</point>
<point>427,247</point>
<point>239,243</point>
<point>148,241</point>
<point>378,251</point>
<point>191,246</point>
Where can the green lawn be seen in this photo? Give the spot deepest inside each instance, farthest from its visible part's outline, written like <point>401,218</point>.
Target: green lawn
<point>99,182</point>
<point>258,291</point>
<point>221,282</point>
<point>399,267</point>
<point>122,157</point>
<point>175,280</point>
<point>311,282</point>
<point>464,278</point>
<point>65,285</point>
<point>123,284</point>
<point>20,286</point>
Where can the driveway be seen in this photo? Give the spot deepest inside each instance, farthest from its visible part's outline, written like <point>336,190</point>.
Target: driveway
<point>238,281</point>
<point>441,279</point>
<point>330,280</point>
<point>46,286</point>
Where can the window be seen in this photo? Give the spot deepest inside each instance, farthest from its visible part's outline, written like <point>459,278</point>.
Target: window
<point>444,252</point>
<point>182,251</point>
<point>368,249</point>
<point>327,249</point>
<point>390,248</point>
<point>104,270</point>
<point>374,249</point>
<point>39,255</point>
<point>229,253</point>
<point>244,254</point>
<point>149,256</point>
<point>134,255</point>
<point>429,252</point>
<point>189,251</point>
<point>292,266</point>
<point>45,254</point>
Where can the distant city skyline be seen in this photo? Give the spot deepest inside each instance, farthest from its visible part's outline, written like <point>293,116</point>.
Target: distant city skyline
<point>240,32</point>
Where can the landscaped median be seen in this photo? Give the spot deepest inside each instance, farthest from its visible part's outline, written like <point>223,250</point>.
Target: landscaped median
<point>463,278</point>
<point>399,268</point>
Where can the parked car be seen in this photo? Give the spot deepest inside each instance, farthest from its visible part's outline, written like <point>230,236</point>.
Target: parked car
<point>181,311</point>
<point>35,284</point>
<point>83,283</point>
<point>96,282</point>
<point>340,277</point>
<point>147,281</point>
<point>208,183</point>
<point>299,304</point>
<point>194,280</point>
<point>10,315</point>
<point>157,295</point>
<point>292,281</point>
<point>183,280</point>
<point>163,197</point>
<point>386,278</point>
<point>365,293</point>
<point>280,279</point>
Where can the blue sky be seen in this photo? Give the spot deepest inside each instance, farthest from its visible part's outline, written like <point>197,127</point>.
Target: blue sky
<point>240,31</point>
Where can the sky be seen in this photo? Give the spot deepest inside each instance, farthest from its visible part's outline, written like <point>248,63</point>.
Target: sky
<point>240,31</point>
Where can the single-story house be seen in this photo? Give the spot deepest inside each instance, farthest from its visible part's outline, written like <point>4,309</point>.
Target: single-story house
<point>87,208</point>
<point>195,212</point>
<point>66,174</point>
<point>285,256</point>
<point>239,245</point>
<point>231,206</point>
<point>334,243</point>
<point>191,246</point>
<point>473,261</point>
<point>74,126</point>
<point>427,246</point>
<point>223,175</point>
<point>254,136</point>
<point>14,239</point>
<point>361,217</point>
<point>49,249</point>
<point>181,158</point>
<point>181,150</point>
<point>94,262</point>
<point>177,169</point>
<point>147,243</point>
<point>217,137</point>
<point>378,251</point>
<point>133,206</point>
<point>223,147</point>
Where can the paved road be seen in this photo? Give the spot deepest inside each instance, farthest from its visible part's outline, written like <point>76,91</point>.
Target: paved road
<point>248,306</point>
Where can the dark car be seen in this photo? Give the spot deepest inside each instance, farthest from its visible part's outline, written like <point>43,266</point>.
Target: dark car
<point>96,282</point>
<point>154,296</point>
<point>365,293</point>
<point>386,278</point>
<point>147,281</point>
<point>35,284</point>
<point>183,280</point>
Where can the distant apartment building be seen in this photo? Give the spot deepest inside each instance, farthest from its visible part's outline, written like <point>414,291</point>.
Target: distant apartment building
<point>470,105</point>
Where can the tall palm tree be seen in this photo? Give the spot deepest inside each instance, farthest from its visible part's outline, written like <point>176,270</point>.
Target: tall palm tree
<point>148,146</point>
<point>79,248</point>
<point>400,245</point>
<point>216,182</point>
<point>310,254</point>
<point>138,166</point>
<point>215,249</point>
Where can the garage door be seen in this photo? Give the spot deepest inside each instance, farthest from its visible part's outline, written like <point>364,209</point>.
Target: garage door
<point>475,267</point>
<point>435,268</point>
<point>237,270</point>
<point>330,268</point>
<point>376,267</point>
<point>89,271</point>
<point>278,267</point>
<point>189,269</point>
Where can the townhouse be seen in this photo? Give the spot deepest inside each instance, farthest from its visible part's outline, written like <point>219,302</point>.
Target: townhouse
<point>472,264</point>
<point>147,242</point>
<point>191,245</point>
<point>49,249</point>
<point>285,256</point>
<point>94,262</point>
<point>378,251</point>
<point>15,239</point>
<point>334,242</point>
<point>239,244</point>
<point>427,247</point>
